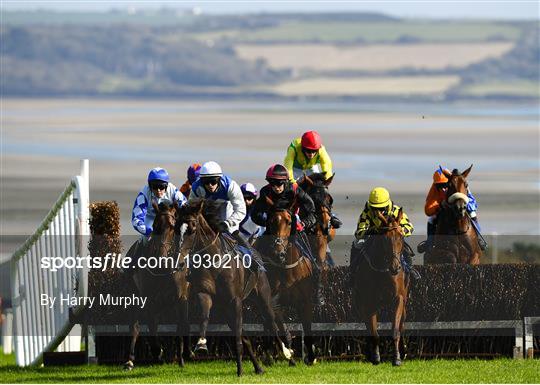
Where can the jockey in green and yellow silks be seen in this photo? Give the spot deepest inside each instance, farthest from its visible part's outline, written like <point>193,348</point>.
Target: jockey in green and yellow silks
<point>307,155</point>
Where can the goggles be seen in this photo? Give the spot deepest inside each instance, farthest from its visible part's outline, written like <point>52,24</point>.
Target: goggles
<point>158,185</point>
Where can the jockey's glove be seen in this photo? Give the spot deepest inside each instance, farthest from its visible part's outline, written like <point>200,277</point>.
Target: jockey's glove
<point>223,227</point>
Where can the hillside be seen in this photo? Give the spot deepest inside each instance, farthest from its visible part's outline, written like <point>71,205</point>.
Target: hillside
<point>166,53</point>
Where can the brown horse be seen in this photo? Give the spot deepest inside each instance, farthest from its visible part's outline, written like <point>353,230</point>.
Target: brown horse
<point>456,240</point>
<point>290,273</point>
<point>227,282</point>
<point>164,286</point>
<point>378,280</point>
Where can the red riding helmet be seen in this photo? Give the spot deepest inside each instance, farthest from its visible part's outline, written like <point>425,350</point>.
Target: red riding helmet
<point>311,140</point>
<point>277,172</point>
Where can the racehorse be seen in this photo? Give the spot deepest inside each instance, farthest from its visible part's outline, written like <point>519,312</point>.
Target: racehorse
<point>316,185</point>
<point>290,272</point>
<point>378,280</point>
<point>164,286</point>
<point>456,240</point>
<point>226,281</point>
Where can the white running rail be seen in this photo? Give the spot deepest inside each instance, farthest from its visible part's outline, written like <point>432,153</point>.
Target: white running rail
<point>63,233</point>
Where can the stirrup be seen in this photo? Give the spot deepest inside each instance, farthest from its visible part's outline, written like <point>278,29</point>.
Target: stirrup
<point>414,273</point>
<point>422,247</point>
<point>482,243</point>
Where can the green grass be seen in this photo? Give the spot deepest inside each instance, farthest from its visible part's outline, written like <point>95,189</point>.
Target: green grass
<point>414,371</point>
<point>373,32</point>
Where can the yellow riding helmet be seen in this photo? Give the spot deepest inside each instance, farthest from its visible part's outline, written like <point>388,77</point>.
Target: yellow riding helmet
<point>379,197</point>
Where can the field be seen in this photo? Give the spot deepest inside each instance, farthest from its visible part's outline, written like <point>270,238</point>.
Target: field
<point>415,371</point>
<point>377,57</point>
<point>523,88</point>
<point>404,85</point>
<point>372,32</point>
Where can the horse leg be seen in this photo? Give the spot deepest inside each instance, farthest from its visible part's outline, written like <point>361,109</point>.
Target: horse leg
<point>205,300</point>
<point>249,347</point>
<point>155,345</point>
<point>235,323</point>
<point>396,329</point>
<point>134,329</point>
<point>306,316</point>
<point>182,329</point>
<point>264,302</point>
<point>401,327</point>
<point>375,356</point>
<point>284,332</point>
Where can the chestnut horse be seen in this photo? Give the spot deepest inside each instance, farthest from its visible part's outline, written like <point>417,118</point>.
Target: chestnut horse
<point>164,286</point>
<point>379,281</point>
<point>289,272</point>
<point>456,240</point>
<point>225,285</point>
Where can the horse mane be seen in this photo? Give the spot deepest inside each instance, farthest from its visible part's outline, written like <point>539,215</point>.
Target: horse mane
<point>211,210</point>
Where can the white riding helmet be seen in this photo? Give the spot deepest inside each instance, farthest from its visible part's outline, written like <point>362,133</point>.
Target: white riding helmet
<point>210,169</point>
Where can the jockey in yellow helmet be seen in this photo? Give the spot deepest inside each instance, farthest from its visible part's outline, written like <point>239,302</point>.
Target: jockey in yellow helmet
<point>368,222</point>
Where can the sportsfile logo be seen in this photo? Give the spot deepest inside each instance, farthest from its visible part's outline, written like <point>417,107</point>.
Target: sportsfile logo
<point>117,261</point>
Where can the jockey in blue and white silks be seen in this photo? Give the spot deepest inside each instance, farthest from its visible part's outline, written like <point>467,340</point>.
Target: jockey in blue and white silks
<point>157,190</point>
<point>212,184</point>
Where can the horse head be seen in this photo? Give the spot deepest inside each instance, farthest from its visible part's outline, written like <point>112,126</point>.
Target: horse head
<point>456,195</point>
<point>316,185</point>
<point>390,235</point>
<point>162,242</point>
<point>279,224</point>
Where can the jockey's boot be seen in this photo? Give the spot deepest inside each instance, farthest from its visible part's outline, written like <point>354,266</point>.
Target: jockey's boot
<point>408,255</point>
<point>258,265</point>
<point>426,245</point>
<point>335,221</point>
<point>481,241</point>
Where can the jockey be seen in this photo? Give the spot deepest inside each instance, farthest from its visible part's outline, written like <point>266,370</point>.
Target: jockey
<point>281,189</point>
<point>192,176</point>
<point>157,190</point>
<point>213,184</point>
<point>436,200</point>
<point>307,155</point>
<point>248,229</point>
<point>379,200</point>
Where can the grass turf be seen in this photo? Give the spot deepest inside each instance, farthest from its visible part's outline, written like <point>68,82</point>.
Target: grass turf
<point>414,371</point>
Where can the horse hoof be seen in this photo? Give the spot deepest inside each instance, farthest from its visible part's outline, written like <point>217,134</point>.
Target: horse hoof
<point>128,366</point>
<point>292,362</point>
<point>287,353</point>
<point>375,360</point>
<point>259,371</point>
<point>396,362</point>
<point>268,360</point>
<point>310,361</point>
<point>181,362</point>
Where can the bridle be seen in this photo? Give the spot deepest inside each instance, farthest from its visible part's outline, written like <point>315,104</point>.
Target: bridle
<point>173,247</point>
<point>396,255</point>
